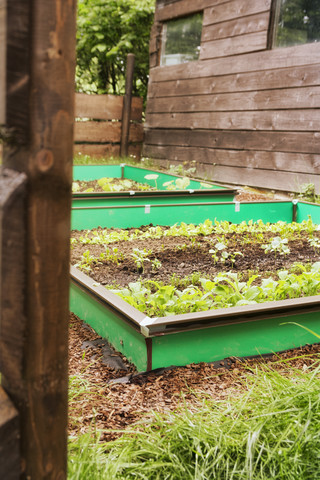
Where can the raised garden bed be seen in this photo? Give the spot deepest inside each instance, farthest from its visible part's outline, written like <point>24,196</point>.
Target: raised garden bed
<point>207,335</point>
<point>115,208</point>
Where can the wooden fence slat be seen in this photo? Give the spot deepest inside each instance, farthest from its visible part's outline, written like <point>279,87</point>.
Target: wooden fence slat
<point>234,84</point>
<point>234,9</point>
<point>106,150</point>
<point>236,140</point>
<point>104,138</point>
<point>105,107</point>
<point>12,275</point>
<point>185,7</point>
<point>276,161</point>
<point>105,132</point>
<point>239,26</point>
<point>225,47</point>
<point>291,57</point>
<point>276,99</point>
<point>40,115</point>
<point>286,120</point>
<point>2,59</point>
<point>9,439</point>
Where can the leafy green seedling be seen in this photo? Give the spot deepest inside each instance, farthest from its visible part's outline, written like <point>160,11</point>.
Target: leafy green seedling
<point>140,256</point>
<point>178,184</point>
<point>75,187</point>
<point>314,242</point>
<point>152,176</point>
<point>277,245</point>
<point>156,265</point>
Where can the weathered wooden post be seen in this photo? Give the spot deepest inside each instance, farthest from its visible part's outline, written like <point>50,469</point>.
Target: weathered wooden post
<point>126,112</point>
<point>39,143</point>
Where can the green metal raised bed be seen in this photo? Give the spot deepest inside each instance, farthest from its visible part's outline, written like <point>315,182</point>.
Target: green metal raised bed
<point>119,209</point>
<point>205,336</point>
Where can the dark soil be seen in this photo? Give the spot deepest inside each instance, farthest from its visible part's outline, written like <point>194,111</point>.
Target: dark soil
<point>114,182</point>
<point>181,256</point>
<point>112,407</point>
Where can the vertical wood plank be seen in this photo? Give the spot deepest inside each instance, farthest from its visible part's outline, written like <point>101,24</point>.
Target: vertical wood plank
<point>2,59</point>
<point>12,318</point>
<point>40,113</point>
<point>9,439</point>
<point>12,275</point>
<point>126,112</point>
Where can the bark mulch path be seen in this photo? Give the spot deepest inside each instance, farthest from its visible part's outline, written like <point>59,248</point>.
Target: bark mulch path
<point>111,398</point>
<point>112,407</point>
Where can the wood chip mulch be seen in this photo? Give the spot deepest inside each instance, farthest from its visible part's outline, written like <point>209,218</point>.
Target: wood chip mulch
<point>98,403</point>
<point>112,407</point>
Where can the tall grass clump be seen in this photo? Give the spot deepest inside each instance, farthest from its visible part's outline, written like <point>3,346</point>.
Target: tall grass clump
<point>272,431</point>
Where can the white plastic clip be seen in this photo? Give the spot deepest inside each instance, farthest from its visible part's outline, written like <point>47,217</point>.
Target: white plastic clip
<point>131,192</point>
<point>143,325</point>
<point>147,209</point>
<point>237,206</point>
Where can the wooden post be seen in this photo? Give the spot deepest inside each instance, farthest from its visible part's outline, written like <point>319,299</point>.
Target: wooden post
<point>12,318</point>
<point>9,439</point>
<point>2,59</point>
<point>126,112</point>
<point>39,117</point>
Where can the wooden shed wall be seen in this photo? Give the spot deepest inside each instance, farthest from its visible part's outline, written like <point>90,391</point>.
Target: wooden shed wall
<point>246,114</point>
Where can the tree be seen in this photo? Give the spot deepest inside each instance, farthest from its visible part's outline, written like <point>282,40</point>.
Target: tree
<point>107,30</point>
<point>299,22</point>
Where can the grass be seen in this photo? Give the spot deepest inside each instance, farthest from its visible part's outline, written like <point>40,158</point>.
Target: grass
<point>81,159</point>
<point>269,432</point>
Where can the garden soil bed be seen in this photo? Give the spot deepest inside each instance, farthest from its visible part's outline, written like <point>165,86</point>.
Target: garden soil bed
<point>181,256</point>
<point>112,407</point>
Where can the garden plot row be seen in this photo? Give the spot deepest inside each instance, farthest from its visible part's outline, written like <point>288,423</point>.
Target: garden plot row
<point>162,195</point>
<point>210,335</point>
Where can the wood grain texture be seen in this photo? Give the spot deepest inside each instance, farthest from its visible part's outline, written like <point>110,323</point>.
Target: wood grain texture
<point>106,150</point>
<point>301,55</point>
<point>9,439</point>
<point>105,107</point>
<point>234,9</point>
<point>284,99</point>
<point>2,59</point>
<point>242,104</point>
<point>167,11</point>
<point>266,179</point>
<point>276,161</point>
<point>239,26</point>
<point>303,142</point>
<point>246,82</point>
<point>106,132</point>
<point>18,79</point>
<point>282,120</point>
<point>226,47</point>
<point>12,275</point>
<point>43,117</point>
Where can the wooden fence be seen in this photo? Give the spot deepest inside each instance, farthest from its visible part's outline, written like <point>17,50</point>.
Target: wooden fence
<point>98,128</point>
<point>35,213</point>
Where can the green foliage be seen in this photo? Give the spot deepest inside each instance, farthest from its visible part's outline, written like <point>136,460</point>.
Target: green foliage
<point>225,290</point>
<point>298,22</point>
<point>178,184</point>
<point>308,193</point>
<point>277,245</point>
<point>206,228</point>
<point>106,32</point>
<point>141,256</point>
<point>271,431</point>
